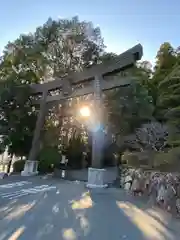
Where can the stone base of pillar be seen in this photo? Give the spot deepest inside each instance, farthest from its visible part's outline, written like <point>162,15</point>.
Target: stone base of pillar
<point>30,168</point>
<point>96,178</point>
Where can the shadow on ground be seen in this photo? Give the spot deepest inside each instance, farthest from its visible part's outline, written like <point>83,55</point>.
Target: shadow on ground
<point>72,212</point>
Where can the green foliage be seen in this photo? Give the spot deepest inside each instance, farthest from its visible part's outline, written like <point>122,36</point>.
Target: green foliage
<point>162,158</point>
<point>166,58</point>
<point>74,151</point>
<point>168,161</point>
<point>2,145</point>
<point>49,159</point>
<point>18,166</point>
<point>110,155</point>
<point>53,50</point>
<point>56,49</point>
<point>17,120</point>
<point>126,108</point>
<point>164,81</point>
<point>131,159</point>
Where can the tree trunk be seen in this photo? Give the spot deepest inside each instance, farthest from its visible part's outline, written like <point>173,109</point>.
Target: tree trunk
<point>9,165</point>
<point>3,162</point>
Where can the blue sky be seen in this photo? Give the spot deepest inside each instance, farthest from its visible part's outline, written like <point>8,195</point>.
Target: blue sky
<point>123,22</point>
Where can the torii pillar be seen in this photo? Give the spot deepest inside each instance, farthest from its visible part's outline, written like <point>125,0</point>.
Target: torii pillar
<point>96,174</point>
<point>31,165</point>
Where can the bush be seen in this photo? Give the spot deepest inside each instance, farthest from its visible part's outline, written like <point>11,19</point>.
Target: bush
<point>18,166</point>
<point>109,155</point>
<point>168,160</point>
<point>49,159</point>
<point>74,152</point>
<point>131,159</point>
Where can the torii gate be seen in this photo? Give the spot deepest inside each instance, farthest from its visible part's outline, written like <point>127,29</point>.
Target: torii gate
<point>99,78</point>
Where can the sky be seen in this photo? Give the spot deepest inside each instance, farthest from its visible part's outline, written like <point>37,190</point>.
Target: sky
<point>123,23</point>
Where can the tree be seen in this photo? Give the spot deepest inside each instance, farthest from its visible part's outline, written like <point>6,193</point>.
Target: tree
<point>2,145</point>
<point>170,103</point>
<point>152,136</point>
<point>74,151</point>
<point>161,81</point>
<point>69,45</point>
<point>54,50</point>
<point>17,120</point>
<point>165,60</point>
<point>143,71</point>
<point>126,108</point>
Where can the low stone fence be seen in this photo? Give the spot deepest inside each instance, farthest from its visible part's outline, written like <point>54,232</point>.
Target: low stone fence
<point>161,188</point>
<point>82,175</point>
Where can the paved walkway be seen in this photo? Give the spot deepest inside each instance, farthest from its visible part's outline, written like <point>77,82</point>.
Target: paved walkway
<point>69,211</point>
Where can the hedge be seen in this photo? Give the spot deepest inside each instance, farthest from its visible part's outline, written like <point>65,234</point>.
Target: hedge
<point>18,166</point>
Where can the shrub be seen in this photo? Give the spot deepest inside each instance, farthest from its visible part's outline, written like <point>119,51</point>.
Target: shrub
<point>109,155</point>
<point>49,159</point>
<point>168,160</point>
<point>18,166</point>
<point>74,152</point>
<point>131,159</point>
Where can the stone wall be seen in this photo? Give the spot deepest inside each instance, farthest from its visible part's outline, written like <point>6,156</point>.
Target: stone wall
<point>161,188</point>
